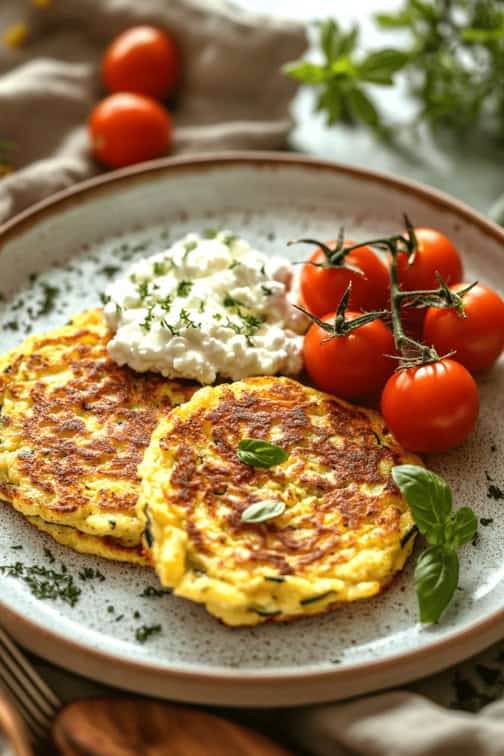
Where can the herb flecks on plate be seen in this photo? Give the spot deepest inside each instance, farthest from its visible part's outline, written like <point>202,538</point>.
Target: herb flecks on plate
<point>437,570</point>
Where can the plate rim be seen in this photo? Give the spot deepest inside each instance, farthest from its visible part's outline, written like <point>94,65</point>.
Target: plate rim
<point>461,644</point>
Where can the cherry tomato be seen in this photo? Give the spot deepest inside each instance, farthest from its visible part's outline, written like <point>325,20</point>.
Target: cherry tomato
<point>143,60</point>
<point>478,338</point>
<point>431,408</point>
<point>322,288</point>
<point>351,366</point>
<point>128,128</point>
<point>435,253</point>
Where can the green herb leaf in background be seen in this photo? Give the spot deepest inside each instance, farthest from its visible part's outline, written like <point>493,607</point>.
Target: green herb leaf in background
<point>453,55</point>
<point>261,511</point>
<point>259,453</point>
<point>430,500</point>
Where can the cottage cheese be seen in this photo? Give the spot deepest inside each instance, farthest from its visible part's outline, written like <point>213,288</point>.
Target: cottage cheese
<point>206,307</point>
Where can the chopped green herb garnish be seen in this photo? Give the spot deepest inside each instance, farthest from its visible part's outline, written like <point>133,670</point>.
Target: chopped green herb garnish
<point>150,592</point>
<point>485,521</point>
<point>275,578</point>
<point>266,290</point>
<point>110,609</point>
<point>109,270</point>
<point>105,298</point>
<point>210,233</point>
<point>184,288</point>
<point>88,573</point>
<point>119,618</point>
<point>159,268</point>
<point>164,324</point>
<point>186,320</point>
<point>49,555</point>
<point>229,301</point>
<point>147,322</point>
<point>228,239</point>
<point>49,299</point>
<point>43,582</point>
<point>313,599</point>
<point>265,612</point>
<point>144,632</point>
<point>233,264</point>
<point>143,289</point>
<point>188,247</point>
<point>17,548</point>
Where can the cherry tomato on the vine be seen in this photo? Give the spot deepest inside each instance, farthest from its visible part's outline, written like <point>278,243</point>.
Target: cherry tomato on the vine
<point>435,253</point>
<point>128,128</point>
<point>351,366</point>
<point>322,288</point>
<point>431,408</point>
<point>477,338</point>
<point>143,60</point>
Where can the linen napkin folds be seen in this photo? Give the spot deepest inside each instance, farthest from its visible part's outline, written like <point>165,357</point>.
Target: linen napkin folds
<point>233,94</point>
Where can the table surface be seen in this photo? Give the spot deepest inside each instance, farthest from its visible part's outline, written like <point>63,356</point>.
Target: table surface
<point>467,171</point>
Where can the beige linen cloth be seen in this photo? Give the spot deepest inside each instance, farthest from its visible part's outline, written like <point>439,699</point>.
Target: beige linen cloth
<point>233,96</point>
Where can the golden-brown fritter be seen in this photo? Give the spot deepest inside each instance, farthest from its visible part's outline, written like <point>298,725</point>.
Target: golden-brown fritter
<point>73,429</point>
<point>346,529</point>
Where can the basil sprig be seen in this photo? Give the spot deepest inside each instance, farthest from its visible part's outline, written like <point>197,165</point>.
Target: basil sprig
<point>259,453</point>
<point>263,510</point>
<point>437,569</point>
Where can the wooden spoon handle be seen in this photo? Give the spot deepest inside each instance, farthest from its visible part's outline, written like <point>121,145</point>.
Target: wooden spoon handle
<point>13,728</point>
<point>137,727</point>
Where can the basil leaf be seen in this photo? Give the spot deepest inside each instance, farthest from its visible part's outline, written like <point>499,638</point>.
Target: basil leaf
<point>429,498</point>
<point>436,578</point>
<point>380,66</point>
<point>464,526</point>
<point>263,510</point>
<point>259,453</point>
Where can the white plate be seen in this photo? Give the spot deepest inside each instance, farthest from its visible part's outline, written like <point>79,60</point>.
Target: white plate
<point>269,199</point>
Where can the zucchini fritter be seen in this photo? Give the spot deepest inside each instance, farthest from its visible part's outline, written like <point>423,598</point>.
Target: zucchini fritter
<point>346,529</point>
<point>73,429</point>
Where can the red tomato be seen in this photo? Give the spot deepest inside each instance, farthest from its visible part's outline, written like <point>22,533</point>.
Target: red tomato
<point>143,60</point>
<point>351,366</point>
<point>128,128</point>
<point>431,408</point>
<point>435,253</point>
<point>478,338</point>
<point>322,288</point>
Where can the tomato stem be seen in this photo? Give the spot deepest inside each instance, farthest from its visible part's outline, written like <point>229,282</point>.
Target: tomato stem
<point>410,351</point>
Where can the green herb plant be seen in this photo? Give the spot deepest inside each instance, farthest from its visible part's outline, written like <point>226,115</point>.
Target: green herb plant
<point>453,60</point>
<point>437,569</point>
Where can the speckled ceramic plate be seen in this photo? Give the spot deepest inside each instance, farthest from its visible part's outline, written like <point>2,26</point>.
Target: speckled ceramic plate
<point>72,243</point>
